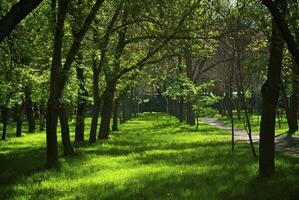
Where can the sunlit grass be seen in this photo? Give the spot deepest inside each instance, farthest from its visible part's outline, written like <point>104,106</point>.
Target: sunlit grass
<point>151,157</point>
<point>280,128</point>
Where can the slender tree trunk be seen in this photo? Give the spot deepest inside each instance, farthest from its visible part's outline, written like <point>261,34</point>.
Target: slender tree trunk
<point>97,103</point>
<point>20,119</point>
<point>115,116</point>
<point>4,114</point>
<point>42,121</point>
<point>106,111</point>
<point>231,115</point>
<point>181,111</point>
<point>29,111</point>
<point>121,114</point>
<point>238,104</point>
<point>244,105</point>
<point>190,115</point>
<point>286,105</point>
<point>293,107</point>
<point>81,104</point>
<point>65,132</point>
<point>278,114</point>
<point>270,94</point>
<point>79,129</point>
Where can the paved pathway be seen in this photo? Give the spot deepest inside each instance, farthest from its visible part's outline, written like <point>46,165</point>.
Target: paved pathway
<point>289,147</point>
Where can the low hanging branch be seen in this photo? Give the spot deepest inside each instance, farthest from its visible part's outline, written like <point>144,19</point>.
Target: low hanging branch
<point>16,14</point>
<point>284,29</point>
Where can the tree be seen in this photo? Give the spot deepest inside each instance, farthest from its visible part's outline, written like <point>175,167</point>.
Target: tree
<point>59,74</point>
<point>270,93</point>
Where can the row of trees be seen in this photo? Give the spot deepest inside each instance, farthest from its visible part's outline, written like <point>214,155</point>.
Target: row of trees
<point>105,50</point>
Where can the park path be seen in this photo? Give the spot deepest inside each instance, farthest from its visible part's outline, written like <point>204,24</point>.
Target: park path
<point>289,147</point>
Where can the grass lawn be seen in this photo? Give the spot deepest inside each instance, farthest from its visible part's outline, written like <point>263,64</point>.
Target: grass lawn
<point>151,157</point>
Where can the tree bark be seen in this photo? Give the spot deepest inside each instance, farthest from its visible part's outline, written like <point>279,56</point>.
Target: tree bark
<point>190,115</point>
<point>181,110</point>
<point>270,94</point>
<point>293,106</point>
<point>81,104</point>
<point>115,116</point>
<point>96,104</point>
<point>65,132</point>
<point>42,121</point>
<point>16,14</point>
<point>286,105</point>
<point>4,114</point>
<point>20,119</point>
<point>29,111</point>
<point>53,102</point>
<point>106,111</point>
<point>231,114</point>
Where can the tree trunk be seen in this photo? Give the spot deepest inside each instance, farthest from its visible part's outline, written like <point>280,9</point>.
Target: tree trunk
<point>55,93</point>
<point>4,114</point>
<point>244,105</point>
<point>106,111</point>
<point>231,114</point>
<point>42,121</point>
<point>270,94</point>
<point>81,104</point>
<point>65,132</point>
<point>79,129</point>
<point>190,115</point>
<point>286,106</point>
<point>115,116</point>
<point>293,108</point>
<point>29,112</point>
<point>97,103</point>
<point>20,119</point>
<point>181,110</point>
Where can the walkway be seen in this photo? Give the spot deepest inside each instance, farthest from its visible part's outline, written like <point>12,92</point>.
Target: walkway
<point>289,147</point>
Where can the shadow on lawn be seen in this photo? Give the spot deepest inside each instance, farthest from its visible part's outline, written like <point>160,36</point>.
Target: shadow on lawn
<point>185,169</point>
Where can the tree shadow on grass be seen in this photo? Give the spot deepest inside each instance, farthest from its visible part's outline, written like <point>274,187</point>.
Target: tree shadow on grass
<point>161,166</point>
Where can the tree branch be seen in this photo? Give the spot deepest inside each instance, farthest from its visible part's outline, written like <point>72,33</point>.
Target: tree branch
<point>16,14</point>
<point>142,62</point>
<point>284,29</point>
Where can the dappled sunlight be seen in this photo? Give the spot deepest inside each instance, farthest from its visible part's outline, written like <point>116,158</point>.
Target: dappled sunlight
<point>151,157</point>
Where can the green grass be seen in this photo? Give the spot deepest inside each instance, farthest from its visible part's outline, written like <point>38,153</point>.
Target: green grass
<point>255,123</point>
<point>151,157</point>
